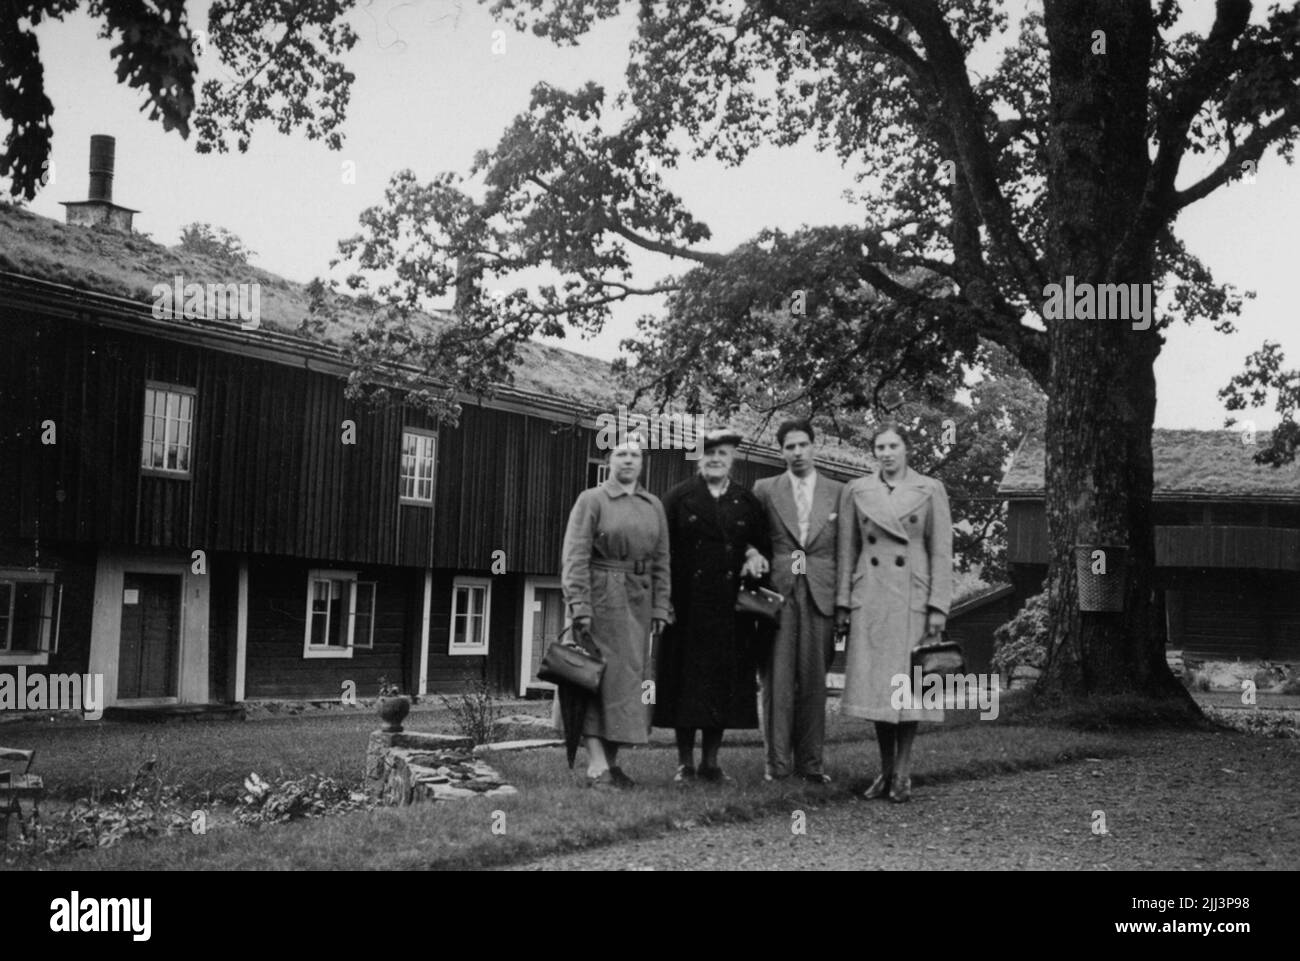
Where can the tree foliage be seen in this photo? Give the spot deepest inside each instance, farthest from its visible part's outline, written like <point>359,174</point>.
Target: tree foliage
<point>215,242</point>
<point>281,58</point>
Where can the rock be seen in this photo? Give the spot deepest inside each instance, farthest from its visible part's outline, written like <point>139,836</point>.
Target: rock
<point>409,768</point>
<point>526,745</point>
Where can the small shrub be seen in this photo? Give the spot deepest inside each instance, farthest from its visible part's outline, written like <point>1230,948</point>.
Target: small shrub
<point>310,796</point>
<point>1023,639</point>
<point>474,712</point>
<point>146,808</point>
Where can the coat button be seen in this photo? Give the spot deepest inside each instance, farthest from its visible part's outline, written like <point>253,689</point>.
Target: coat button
<point>898,561</point>
<point>875,561</point>
<point>912,518</point>
<point>871,538</point>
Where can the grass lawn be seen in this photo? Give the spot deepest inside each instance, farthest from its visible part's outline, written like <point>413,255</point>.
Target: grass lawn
<point>553,813</point>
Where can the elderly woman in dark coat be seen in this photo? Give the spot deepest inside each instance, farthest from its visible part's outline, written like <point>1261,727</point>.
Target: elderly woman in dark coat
<point>705,668</point>
<point>895,584</point>
<point>616,581</point>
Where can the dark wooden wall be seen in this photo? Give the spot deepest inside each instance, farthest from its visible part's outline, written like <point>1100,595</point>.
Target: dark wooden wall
<point>270,474</point>
<point>973,629</point>
<point>1202,536</point>
<point>277,613</point>
<point>75,571</point>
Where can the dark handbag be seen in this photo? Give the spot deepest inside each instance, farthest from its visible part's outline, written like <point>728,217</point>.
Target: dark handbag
<point>941,657</point>
<point>570,662</point>
<point>760,601</point>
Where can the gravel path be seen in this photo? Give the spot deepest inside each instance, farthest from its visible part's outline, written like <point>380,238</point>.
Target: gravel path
<point>1186,801</point>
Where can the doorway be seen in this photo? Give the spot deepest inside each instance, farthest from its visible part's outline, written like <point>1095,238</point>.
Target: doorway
<point>149,648</point>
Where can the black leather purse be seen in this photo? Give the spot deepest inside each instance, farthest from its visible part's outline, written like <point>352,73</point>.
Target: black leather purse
<point>760,601</point>
<point>573,662</point>
<point>940,656</point>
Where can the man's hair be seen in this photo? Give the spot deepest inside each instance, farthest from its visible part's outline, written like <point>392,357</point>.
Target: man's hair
<point>798,423</point>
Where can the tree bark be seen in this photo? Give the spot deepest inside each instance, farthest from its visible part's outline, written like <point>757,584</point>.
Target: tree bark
<point>1102,392</point>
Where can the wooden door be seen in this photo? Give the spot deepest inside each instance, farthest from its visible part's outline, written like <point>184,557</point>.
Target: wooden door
<point>548,622</point>
<point>149,649</point>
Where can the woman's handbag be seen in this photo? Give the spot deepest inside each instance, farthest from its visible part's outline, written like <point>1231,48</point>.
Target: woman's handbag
<point>941,656</point>
<point>571,662</point>
<point>760,601</point>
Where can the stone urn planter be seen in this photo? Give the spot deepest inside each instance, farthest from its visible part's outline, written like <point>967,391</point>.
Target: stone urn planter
<point>392,707</point>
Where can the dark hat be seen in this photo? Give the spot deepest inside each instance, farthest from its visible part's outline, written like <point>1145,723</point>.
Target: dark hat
<point>721,435</point>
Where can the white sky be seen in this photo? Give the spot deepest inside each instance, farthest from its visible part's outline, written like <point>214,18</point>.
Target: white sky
<point>430,91</point>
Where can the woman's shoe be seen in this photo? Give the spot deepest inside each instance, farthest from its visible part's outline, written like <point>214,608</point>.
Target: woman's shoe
<point>604,781</point>
<point>713,774</point>
<point>879,788</point>
<point>685,772</point>
<point>900,789</point>
<point>620,779</point>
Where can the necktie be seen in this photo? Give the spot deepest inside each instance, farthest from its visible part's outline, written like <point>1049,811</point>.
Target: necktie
<point>803,505</point>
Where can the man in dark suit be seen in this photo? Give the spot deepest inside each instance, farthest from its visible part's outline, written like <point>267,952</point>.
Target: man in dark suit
<point>801,514</point>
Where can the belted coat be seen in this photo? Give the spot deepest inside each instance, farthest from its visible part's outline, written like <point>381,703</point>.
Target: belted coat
<point>895,567</point>
<point>609,532</point>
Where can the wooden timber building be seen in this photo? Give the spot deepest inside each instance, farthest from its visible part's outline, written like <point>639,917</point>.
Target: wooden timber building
<point>1227,542</point>
<point>194,510</point>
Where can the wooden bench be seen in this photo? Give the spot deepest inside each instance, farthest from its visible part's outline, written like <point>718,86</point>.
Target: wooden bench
<point>18,786</point>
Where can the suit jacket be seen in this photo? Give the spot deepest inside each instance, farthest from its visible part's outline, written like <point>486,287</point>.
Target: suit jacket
<point>820,554</point>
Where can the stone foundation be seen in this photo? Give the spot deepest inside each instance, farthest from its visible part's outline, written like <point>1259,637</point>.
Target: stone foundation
<point>411,768</point>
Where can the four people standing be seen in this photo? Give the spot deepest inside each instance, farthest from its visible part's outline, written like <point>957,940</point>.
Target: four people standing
<point>801,510</point>
<point>872,558</point>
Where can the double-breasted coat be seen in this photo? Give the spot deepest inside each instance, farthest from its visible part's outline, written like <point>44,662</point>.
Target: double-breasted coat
<point>705,668</point>
<point>895,567</point>
<point>615,570</point>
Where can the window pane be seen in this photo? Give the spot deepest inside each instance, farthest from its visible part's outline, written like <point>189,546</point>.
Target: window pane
<point>363,632</point>
<point>28,617</point>
<point>458,630</point>
<point>319,611</point>
<point>6,599</point>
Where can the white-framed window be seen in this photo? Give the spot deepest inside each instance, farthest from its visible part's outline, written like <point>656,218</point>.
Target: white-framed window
<point>31,607</point>
<point>471,600</point>
<point>168,429</point>
<point>597,472</point>
<point>419,454</point>
<point>340,614</point>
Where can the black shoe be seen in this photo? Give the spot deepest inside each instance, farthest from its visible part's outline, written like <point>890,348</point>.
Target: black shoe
<point>713,775</point>
<point>879,789</point>
<point>900,789</point>
<point>816,778</point>
<point>620,779</point>
<point>604,781</point>
<point>684,773</point>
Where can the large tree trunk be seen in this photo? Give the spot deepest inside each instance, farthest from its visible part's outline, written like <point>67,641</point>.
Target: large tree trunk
<point>1102,394</point>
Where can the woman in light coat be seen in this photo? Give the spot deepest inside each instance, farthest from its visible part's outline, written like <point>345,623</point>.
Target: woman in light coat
<point>895,585</point>
<point>615,578</point>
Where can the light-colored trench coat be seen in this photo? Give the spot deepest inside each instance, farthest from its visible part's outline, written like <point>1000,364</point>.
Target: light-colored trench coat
<point>895,566</point>
<point>608,529</point>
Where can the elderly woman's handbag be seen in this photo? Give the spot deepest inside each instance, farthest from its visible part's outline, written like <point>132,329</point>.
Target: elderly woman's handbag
<point>760,601</point>
<point>941,656</point>
<point>571,662</point>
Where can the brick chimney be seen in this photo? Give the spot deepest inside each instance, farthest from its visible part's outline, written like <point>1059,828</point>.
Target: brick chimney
<point>98,209</point>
